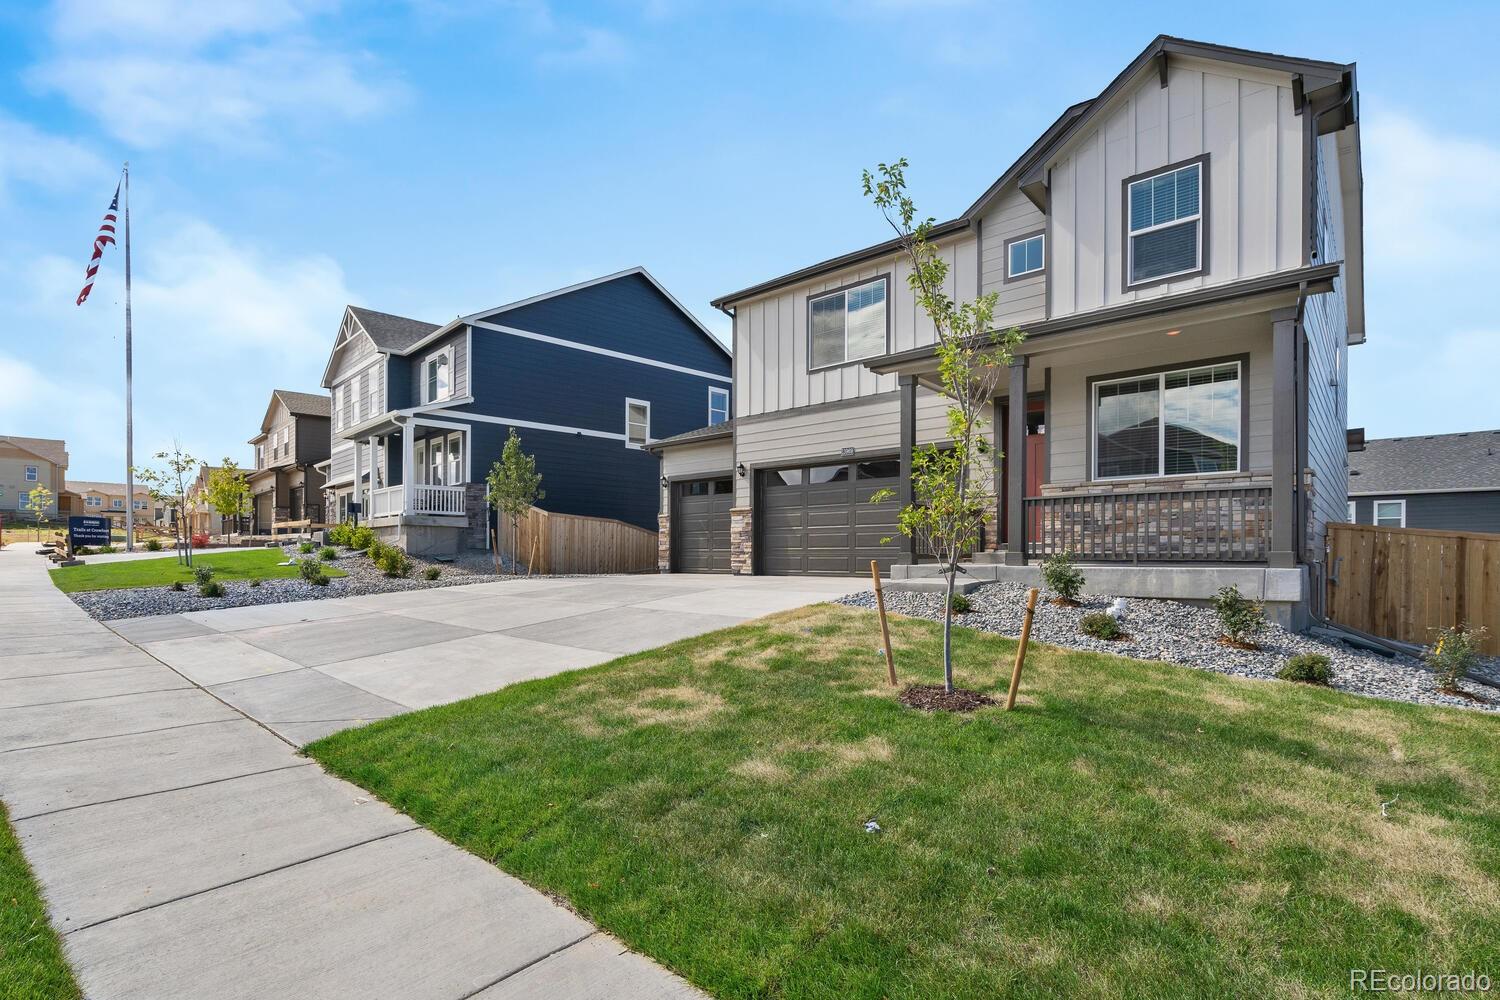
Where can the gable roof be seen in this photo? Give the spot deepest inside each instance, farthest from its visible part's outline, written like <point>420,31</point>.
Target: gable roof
<point>1432,463</point>
<point>722,429</point>
<point>47,449</point>
<point>109,489</point>
<point>391,332</point>
<point>304,404</point>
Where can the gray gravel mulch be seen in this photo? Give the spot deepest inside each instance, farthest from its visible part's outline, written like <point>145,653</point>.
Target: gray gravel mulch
<point>1188,634</point>
<point>363,578</point>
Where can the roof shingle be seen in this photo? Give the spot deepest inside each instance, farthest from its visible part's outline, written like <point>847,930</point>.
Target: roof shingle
<point>1431,463</point>
<point>391,333</point>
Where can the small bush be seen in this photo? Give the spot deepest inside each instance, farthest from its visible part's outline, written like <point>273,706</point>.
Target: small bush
<point>211,588</point>
<point>1455,654</point>
<point>310,569</point>
<point>432,573</point>
<point>1306,668</point>
<point>1062,577</point>
<point>1239,617</point>
<point>177,586</point>
<point>376,550</point>
<point>1101,625</point>
<point>960,604</point>
<point>83,550</point>
<point>360,538</point>
<point>107,550</point>
<point>153,545</point>
<point>202,574</point>
<point>199,540</point>
<point>328,553</point>
<point>305,548</point>
<point>394,562</point>
<point>256,581</point>
<point>340,534</point>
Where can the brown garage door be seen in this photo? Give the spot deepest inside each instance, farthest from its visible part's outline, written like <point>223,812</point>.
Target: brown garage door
<point>818,519</point>
<point>700,525</point>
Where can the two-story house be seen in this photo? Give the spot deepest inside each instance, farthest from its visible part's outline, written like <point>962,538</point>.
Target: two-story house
<point>108,500</point>
<point>1184,254</point>
<point>588,375</point>
<point>25,464</point>
<point>1443,482</point>
<point>286,480</point>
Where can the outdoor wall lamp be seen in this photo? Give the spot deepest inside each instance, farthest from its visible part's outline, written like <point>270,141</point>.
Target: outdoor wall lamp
<point>663,482</point>
<point>740,469</point>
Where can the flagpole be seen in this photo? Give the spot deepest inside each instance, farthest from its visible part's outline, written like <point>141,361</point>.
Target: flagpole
<point>129,407</point>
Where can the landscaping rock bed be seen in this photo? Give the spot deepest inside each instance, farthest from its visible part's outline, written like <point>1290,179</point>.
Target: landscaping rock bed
<point>363,578</point>
<point>1189,635</point>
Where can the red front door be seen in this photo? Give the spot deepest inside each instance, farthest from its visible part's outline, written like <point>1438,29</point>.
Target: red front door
<point>1036,460</point>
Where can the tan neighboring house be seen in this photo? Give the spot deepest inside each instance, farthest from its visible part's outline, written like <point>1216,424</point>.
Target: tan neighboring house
<point>1184,252</point>
<point>285,483</point>
<point>25,464</point>
<point>203,519</point>
<point>108,500</point>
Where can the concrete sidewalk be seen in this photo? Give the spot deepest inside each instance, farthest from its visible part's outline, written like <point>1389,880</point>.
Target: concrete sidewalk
<point>186,850</point>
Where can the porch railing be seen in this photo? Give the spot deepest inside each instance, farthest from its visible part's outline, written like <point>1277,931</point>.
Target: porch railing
<point>387,500</point>
<point>1220,525</point>
<point>437,499</point>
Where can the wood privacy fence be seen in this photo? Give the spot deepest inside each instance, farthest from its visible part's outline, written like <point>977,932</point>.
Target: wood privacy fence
<point>1404,583</point>
<point>570,543</point>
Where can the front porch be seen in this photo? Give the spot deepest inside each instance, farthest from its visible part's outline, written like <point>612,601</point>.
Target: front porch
<point>411,476</point>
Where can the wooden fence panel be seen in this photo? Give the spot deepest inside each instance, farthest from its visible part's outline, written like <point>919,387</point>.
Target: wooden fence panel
<point>570,543</point>
<point>1405,583</point>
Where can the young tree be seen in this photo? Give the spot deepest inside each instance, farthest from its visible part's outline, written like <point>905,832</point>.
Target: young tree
<point>37,502</point>
<point>951,485</point>
<point>171,487</point>
<point>514,486</point>
<point>228,491</point>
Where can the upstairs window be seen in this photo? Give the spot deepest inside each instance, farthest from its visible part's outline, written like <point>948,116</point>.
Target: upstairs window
<point>847,325</point>
<point>1025,255</point>
<point>438,375</point>
<point>637,423</point>
<point>364,395</point>
<point>718,405</point>
<point>117,503</point>
<point>1165,224</point>
<point>31,473</point>
<point>260,456</point>
<point>346,413</point>
<point>92,501</point>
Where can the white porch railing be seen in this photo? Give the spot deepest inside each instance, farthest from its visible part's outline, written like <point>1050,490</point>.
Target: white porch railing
<point>424,500</point>
<point>437,499</point>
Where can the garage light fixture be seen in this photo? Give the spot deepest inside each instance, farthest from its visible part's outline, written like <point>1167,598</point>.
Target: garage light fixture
<point>663,482</point>
<point>740,469</point>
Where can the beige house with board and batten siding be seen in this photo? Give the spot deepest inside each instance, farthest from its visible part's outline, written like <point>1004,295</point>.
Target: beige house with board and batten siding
<point>1184,253</point>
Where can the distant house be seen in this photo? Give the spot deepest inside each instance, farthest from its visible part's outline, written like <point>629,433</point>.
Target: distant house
<point>1449,482</point>
<point>25,464</point>
<point>589,376</point>
<point>286,483</point>
<point>108,500</point>
<point>203,519</point>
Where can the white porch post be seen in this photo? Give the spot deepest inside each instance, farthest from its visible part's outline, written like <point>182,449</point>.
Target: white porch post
<point>357,474</point>
<point>408,474</point>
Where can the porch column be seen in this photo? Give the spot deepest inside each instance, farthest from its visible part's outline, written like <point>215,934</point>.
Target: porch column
<point>1284,505</point>
<point>408,476</point>
<point>358,472</point>
<point>907,385</point>
<point>1015,466</point>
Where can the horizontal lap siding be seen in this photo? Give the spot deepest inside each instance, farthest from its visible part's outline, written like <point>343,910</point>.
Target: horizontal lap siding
<point>354,357</point>
<point>1436,511</point>
<point>706,459</point>
<point>1326,324</point>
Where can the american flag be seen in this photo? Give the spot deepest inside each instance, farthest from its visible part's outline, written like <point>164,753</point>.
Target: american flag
<point>105,237</point>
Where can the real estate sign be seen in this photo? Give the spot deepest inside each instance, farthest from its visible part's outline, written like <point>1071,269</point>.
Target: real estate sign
<point>87,530</point>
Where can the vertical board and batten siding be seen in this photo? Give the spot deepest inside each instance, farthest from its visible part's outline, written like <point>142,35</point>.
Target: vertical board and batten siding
<point>1405,583</point>
<point>1243,119</point>
<point>770,336</point>
<point>1023,300</point>
<point>1068,418</point>
<point>1325,323</point>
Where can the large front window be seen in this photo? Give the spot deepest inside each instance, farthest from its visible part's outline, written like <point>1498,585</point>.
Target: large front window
<point>1165,224</point>
<point>1176,423</point>
<point>847,325</point>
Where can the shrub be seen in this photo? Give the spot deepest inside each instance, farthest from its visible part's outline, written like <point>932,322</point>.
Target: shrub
<point>305,547</point>
<point>1239,617</point>
<point>255,581</point>
<point>203,574</point>
<point>211,588</point>
<point>153,545</point>
<point>360,538</point>
<point>199,540</point>
<point>107,550</point>
<point>1062,577</point>
<point>1101,625</point>
<point>1455,654</point>
<point>177,585</point>
<point>83,550</point>
<point>341,533</point>
<point>394,562</point>
<point>432,573</point>
<point>376,550</point>
<point>310,569</point>
<point>328,553</point>
<point>960,604</point>
<point>1307,668</point>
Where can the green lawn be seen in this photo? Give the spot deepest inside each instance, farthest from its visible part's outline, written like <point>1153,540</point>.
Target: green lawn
<point>242,564</point>
<point>1133,829</point>
<point>31,959</point>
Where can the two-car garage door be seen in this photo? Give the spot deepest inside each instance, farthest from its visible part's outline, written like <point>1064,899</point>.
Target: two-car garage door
<point>819,520</point>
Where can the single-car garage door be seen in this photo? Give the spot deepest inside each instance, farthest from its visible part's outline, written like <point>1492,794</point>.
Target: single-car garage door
<point>819,520</point>
<point>700,525</point>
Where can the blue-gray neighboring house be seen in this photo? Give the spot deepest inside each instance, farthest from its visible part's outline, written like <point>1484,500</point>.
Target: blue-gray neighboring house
<point>588,375</point>
<point>1447,482</point>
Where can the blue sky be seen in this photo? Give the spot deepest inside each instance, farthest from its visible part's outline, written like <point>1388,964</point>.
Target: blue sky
<point>436,157</point>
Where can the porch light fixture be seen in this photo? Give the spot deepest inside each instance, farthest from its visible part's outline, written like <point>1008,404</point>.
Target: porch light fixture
<point>663,482</point>
<point>740,469</point>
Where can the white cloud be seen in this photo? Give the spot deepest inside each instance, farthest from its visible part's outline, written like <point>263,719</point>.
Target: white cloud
<point>160,71</point>
<point>36,157</point>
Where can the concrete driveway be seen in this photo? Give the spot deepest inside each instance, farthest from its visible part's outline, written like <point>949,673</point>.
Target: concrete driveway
<point>308,669</point>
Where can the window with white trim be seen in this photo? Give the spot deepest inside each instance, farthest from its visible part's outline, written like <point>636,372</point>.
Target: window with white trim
<point>637,423</point>
<point>1165,224</point>
<point>1175,423</point>
<point>31,474</point>
<point>1390,513</point>
<point>718,405</point>
<point>437,375</point>
<point>346,407</point>
<point>118,503</point>
<point>455,459</point>
<point>260,456</point>
<point>847,325</point>
<point>1351,512</point>
<point>364,395</point>
<point>93,501</point>
<point>1026,256</point>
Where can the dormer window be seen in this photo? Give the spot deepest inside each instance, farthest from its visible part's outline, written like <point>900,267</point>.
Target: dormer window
<point>1164,224</point>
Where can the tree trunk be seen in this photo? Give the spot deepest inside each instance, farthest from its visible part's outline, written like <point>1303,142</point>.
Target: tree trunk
<point>948,627</point>
<point>515,535</point>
